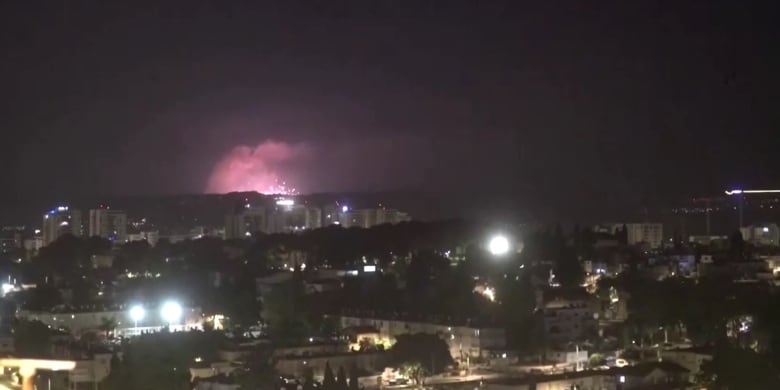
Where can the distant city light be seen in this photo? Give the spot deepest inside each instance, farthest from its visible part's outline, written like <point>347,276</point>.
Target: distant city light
<point>369,268</point>
<point>285,202</point>
<point>64,223</point>
<point>344,208</point>
<point>7,287</point>
<point>490,293</point>
<point>171,312</point>
<point>738,191</point>
<point>498,245</point>
<point>766,229</point>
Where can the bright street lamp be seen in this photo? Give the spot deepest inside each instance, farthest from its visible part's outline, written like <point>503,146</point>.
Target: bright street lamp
<point>137,313</point>
<point>171,312</point>
<point>498,245</point>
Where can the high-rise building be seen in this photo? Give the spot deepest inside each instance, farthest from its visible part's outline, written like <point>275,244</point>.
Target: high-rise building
<point>107,223</point>
<point>649,234</point>
<point>246,222</point>
<point>288,217</point>
<point>59,221</point>
<point>330,214</point>
<point>366,218</point>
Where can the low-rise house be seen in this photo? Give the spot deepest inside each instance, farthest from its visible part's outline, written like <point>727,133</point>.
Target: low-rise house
<point>689,358</point>
<point>373,361</point>
<point>659,375</point>
<point>309,349</point>
<point>204,370</point>
<point>464,340</point>
<point>218,382</point>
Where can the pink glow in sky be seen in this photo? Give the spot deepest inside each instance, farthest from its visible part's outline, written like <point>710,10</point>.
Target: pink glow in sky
<point>247,168</point>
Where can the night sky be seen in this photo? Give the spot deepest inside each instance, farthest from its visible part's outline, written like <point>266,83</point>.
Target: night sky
<point>591,104</point>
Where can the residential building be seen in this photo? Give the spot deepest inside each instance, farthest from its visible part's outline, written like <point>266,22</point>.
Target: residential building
<point>286,216</point>
<point>298,365</point>
<point>762,235</point>
<point>218,382</point>
<point>706,240</point>
<point>655,375</point>
<point>33,244</point>
<point>463,340</point>
<point>102,261</point>
<point>330,214</point>
<point>246,222</point>
<point>648,234</point>
<point>109,224</point>
<point>568,319</point>
<point>59,221</point>
<point>689,358</point>
<point>88,373</point>
<point>366,218</point>
<point>150,236</point>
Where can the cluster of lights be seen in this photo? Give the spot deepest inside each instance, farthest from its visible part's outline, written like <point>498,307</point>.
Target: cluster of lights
<point>285,202</point>
<point>279,189</point>
<point>170,311</point>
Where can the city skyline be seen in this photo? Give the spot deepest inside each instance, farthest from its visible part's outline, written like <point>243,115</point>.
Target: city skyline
<point>612,107</point>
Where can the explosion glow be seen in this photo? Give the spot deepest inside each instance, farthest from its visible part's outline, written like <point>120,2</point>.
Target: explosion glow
<point>248,168</point>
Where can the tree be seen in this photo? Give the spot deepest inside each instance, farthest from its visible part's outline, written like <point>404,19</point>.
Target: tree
<point>737,245</point>
<point>107,325</point>
<point>414,371</point>
<point>328,381</point>
<point>736,368</point>
<point>428,350</point>
<point>32,338</point>
<point>308,379</point>
<point>341,379</point>
<point>597,360</point>
<point>160,361</point>
<point>257,376</point>
<point>568,270</point>
<point>353,378</point>
<point>285,311</point>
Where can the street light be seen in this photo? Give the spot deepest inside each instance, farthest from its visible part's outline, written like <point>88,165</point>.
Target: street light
<point>171,312</point>
<point>137,313</point>
<point>498,245</point>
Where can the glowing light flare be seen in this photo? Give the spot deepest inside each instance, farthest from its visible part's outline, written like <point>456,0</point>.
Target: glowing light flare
<point>44,364</point>
<point>137,313</point>
<point>498,245</point>
<point>171,312</point>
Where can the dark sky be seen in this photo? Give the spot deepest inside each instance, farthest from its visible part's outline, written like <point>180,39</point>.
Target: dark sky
<point>587,103</point>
